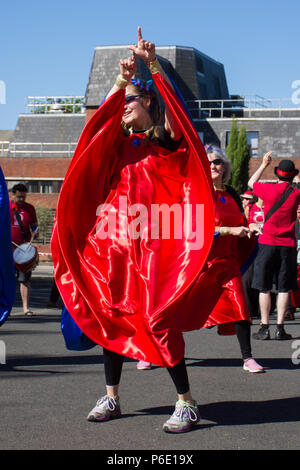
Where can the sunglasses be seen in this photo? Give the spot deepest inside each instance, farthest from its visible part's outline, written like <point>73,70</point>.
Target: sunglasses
<point>217,161</point>
<point>130,98</point>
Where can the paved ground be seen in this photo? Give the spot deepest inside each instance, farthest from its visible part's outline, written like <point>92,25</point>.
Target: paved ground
<point>47,391</point>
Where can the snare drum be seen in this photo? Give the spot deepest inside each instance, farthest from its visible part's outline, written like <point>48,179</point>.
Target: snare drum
<point>26,257</point>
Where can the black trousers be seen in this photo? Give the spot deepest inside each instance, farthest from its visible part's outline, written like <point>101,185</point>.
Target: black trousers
<point>242,329</point>
<point>113,364</point>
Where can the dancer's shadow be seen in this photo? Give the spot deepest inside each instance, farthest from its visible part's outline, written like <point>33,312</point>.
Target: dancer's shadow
<point>233,413</point>
<point>281,363</point>
<point>167,411</point>
<point>20,363</point>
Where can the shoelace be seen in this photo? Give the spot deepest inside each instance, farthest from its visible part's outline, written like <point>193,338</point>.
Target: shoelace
<point>183,409</point>
<point>112,403</point>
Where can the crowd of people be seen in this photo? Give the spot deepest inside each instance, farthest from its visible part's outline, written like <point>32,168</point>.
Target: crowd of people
<point>136,296</point>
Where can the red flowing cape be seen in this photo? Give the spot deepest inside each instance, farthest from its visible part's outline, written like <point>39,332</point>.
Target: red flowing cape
<point>219,288</point>
<point>123,293</point>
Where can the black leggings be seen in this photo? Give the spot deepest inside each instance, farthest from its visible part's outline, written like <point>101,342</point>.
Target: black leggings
<point>113,363</point>
<point>242,329</point>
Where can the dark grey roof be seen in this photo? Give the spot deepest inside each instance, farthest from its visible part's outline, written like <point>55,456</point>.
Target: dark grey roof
<point>196,75</point>
<point>47,128</point>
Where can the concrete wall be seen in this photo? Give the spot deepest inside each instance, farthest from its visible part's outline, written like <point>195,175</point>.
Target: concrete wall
<point>281,135</point>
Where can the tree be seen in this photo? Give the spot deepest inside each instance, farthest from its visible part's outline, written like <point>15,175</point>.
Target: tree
<point>238,153</point>
<point>45,222</point>
<point>67,105</point>
<point>244,159</point>
<point>231,151</point>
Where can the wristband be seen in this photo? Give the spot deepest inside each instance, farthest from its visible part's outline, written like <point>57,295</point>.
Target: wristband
<point>223,230</point>
<point>121,82</point>
<point>154,66</point>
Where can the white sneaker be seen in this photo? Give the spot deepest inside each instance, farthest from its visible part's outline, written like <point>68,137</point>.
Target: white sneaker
<point>184,417</point>
<point>106,408</point>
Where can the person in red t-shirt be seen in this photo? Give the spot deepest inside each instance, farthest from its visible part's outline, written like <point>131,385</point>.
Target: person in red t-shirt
<point>277,254</point>
<point>247,199</point>
<point>19,209</point>
<point>256,213</point>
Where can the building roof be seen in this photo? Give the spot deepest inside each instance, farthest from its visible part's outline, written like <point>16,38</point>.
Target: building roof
<point>57,133</point>
<point>6,135</point>
<point>49,127</point>
<point>196,75</point>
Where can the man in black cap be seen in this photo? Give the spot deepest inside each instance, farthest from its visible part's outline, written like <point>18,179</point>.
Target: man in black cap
<point>277,255</point>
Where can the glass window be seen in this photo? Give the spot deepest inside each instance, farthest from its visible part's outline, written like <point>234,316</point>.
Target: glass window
<point>252,141</point>
<point>201,135</point>
<point>46,187</point>
<point>33,187</point>
<point>199,64</point>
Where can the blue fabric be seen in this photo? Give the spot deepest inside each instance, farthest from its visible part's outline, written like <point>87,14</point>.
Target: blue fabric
<point>250,260</point>
<point>75,339</point>
<point>7,267</point>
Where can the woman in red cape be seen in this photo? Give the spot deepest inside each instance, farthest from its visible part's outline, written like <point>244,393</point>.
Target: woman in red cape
<point>120,271</point>
<point>221,275</point>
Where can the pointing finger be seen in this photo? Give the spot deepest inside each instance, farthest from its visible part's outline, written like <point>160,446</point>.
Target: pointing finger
<point>139,33</point>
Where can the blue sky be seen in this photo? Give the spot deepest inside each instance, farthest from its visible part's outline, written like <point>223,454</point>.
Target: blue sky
<point>46,48</point>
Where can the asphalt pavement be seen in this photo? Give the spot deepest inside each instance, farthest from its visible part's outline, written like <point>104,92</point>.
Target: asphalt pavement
<point>47,391</point>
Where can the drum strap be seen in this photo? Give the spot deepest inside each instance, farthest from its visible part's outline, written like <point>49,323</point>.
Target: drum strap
<point>279,203</point>
<point>17,213</point>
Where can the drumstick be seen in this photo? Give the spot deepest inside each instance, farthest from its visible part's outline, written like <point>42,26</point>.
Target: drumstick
<point>18,246</point>
<point>32,237</point>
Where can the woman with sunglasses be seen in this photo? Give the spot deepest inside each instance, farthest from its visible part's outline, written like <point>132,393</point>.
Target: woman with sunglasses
<point>123,291</point>
<point>219,288</point>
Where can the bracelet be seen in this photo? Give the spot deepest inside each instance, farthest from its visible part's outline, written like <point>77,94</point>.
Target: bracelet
<point>223,230</point>
<point>121,82</point>
<point>154,66</point>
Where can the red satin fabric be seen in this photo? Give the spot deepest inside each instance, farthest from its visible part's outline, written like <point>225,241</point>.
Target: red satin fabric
<point>219,289</point>
<point>124,292</point>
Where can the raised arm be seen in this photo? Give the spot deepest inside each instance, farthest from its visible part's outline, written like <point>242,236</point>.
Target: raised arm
<point>258,173</point>
<point>127,71</point>
<point>145,50</point>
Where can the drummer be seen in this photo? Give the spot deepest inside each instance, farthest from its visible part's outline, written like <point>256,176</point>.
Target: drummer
<point>24,228</point>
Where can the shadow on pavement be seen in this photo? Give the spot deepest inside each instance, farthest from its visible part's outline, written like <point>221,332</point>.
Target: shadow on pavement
<point>29,361</point>
<point>267,363</point>
<point>37,318</point>
<point>232,413</point>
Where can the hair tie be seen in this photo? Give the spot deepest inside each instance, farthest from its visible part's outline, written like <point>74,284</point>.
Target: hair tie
<point>142,85</point>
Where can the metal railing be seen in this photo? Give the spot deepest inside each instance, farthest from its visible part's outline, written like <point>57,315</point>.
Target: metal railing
<point>41,149</point>
<point>4,147</point>
<point>244,106</point>
<point>55,104</point>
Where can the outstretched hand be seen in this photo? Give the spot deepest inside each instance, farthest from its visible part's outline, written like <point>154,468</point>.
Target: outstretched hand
<point>267,159</point>
<point>145,50</point>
